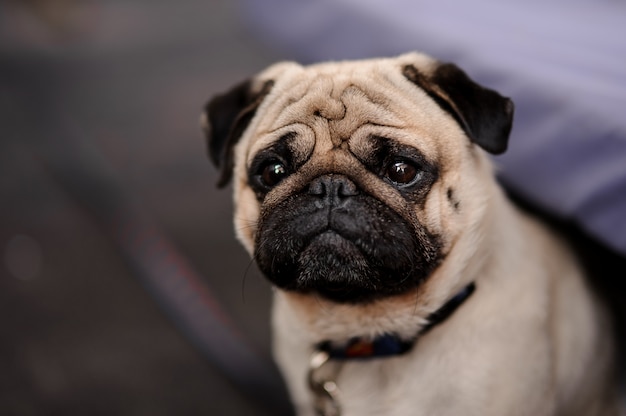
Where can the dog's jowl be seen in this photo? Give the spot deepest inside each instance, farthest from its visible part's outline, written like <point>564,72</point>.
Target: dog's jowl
<point>406,282</point>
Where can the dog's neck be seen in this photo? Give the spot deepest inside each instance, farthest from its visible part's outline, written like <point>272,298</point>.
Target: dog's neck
<point>387,345</point>
<point>323,386</point>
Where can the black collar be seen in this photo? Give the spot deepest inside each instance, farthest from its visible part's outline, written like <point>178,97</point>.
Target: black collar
<point>389,344</point>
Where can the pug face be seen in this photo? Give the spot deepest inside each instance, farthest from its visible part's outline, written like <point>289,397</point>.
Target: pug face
<point>355,180</point>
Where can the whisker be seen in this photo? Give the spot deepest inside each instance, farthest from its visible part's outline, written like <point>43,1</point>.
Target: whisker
<point>247,224</point>
<point>318,299</point>
<point>243,280</point>
<point>251,262</point>
<point>415,305</point>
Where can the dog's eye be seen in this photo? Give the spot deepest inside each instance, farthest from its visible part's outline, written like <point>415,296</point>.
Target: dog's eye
<point>273,173</point>
<point>402,172</point>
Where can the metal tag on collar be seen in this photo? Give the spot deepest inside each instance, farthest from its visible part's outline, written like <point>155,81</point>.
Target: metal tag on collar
<point>324,389</point>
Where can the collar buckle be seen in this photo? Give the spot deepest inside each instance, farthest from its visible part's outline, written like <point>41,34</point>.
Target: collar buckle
<point>322,385</point>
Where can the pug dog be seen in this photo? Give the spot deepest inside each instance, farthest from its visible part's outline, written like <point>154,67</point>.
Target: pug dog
<point>406,283</point>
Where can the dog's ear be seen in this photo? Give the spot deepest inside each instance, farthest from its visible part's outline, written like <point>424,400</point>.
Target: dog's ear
<point>225,118</point>
<point>485,116</point>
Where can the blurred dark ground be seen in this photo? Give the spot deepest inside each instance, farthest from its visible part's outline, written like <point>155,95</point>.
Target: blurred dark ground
<point>126,80</point>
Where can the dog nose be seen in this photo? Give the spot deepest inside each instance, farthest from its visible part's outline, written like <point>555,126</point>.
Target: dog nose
<point>333,187</point>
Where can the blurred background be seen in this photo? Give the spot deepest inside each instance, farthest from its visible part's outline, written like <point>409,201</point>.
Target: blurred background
<point>100,102</point>
<point>106,190</point>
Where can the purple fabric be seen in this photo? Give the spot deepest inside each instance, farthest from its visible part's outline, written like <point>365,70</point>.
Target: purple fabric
<point>563,64</point>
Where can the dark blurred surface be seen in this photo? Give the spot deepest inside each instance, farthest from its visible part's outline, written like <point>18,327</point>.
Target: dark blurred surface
<point>125,81</point>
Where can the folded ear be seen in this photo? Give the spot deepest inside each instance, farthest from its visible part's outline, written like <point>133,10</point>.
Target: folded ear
<point>484,115</point>
<point>225,118</point>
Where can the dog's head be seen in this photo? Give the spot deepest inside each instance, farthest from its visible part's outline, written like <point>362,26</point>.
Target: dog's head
<point>355,180</point>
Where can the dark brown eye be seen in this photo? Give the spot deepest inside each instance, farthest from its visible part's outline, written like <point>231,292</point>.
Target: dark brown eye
<point>273,173</point>
<point>401,172</point>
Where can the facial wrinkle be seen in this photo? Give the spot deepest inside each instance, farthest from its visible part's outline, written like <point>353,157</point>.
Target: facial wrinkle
<point>318,101</point>
<point>360,110</point>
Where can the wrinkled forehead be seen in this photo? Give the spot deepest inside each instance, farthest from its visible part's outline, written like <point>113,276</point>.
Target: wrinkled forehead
<point>340,93</point>
<point>340,105</point>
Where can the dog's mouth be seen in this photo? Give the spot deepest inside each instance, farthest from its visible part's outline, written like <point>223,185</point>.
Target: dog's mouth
<point>359,253</point>
<point>336,268</point>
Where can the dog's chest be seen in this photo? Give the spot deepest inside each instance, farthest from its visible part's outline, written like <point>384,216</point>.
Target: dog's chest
<point>398,386</point>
